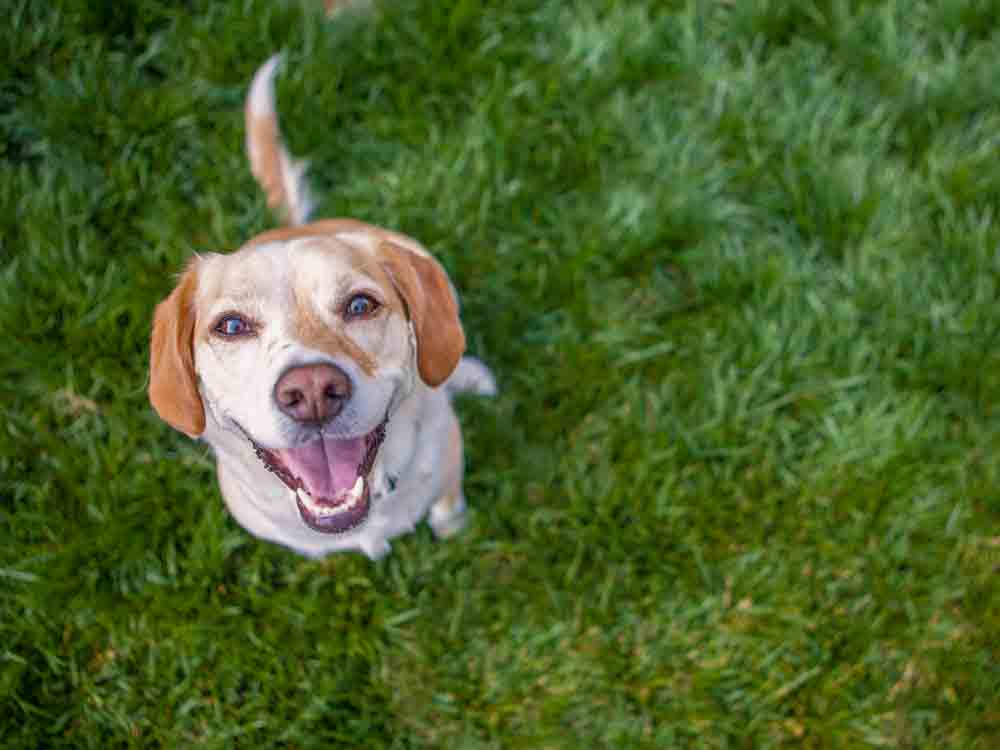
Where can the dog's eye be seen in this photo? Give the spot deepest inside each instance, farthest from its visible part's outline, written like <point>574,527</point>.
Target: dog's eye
<point>233,325</point>
<point>360,306</point>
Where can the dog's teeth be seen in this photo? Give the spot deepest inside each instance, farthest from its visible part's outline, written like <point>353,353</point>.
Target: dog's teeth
<point>351,500</point>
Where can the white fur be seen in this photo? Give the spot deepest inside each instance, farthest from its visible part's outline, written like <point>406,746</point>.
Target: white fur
<point>261,97</point>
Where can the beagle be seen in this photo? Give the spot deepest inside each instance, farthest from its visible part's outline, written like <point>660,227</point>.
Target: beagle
<point>318,361</point>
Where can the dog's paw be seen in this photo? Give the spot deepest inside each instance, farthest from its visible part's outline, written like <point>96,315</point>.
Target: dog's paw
<point>447,516</point>
<point>376,548</point>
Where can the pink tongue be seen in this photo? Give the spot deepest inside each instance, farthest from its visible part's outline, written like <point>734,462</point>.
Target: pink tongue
<point>326,467</point>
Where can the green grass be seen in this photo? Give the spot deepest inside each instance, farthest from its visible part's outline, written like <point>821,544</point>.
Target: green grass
<point>737,267</point>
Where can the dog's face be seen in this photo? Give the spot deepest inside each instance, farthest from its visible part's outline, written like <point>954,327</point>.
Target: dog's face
<point>304,341</point>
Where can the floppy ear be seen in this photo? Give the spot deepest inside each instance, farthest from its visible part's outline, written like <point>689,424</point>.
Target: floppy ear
<point>432,307</point>
<point>173,385</point>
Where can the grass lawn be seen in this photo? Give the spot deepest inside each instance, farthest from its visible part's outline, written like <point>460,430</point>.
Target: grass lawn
<point>736,266</point>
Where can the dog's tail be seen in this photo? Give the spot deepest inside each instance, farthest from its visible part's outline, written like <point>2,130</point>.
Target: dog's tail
<point>471,376</point>
<point>281,176</point>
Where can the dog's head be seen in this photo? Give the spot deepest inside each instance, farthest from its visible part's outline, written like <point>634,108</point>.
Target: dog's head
<point>303,341</point>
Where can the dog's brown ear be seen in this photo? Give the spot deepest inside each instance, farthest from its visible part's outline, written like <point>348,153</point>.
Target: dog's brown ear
<point>432,307</point>
<point>173,385</point>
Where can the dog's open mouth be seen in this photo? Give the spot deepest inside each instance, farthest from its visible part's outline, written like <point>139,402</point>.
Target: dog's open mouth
<point>329,477</point>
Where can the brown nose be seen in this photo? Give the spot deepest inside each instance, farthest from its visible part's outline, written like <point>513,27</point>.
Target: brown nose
<point>312,394</point>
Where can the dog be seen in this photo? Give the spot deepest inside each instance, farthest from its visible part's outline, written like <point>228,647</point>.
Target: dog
<point>319,361</point>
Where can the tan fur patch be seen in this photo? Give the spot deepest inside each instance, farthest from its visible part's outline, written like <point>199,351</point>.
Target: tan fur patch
<point>432,307</point>
<point>310,329</point>
<point>326,227</point>
<point>173,384</point>
<point>262,133</point>
<point>334,227</point>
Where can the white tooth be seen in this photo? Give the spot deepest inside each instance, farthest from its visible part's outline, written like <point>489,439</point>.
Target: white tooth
<point>354,496</point>
<point>358,488</point>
